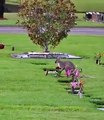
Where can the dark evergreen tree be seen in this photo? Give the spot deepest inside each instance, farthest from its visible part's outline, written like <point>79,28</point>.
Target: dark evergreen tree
<point>2,8</point>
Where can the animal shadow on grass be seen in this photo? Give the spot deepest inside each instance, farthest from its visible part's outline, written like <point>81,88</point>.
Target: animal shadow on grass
<point>65,83</point>
<point>38,63</point>
<point>102,64</point>
<point>97,101</point>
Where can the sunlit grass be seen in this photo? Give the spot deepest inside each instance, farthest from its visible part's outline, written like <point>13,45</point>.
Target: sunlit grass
<point>89,5</point>
<point>26,93</point>
<point>12,19</point>
<point>81,5</point>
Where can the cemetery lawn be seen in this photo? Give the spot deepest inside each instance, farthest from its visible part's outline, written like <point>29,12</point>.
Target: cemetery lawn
<point>27,94</point>
<point>89,5</point>
<point>81,5</point>
<point>12,19</point>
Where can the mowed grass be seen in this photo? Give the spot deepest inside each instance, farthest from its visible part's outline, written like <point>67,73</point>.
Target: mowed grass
<point>13,1</point>
<point>26,93</point>
<point>12,19</point>
<point>84,23</point>
<point>89,5</point>
<point>81,5</point>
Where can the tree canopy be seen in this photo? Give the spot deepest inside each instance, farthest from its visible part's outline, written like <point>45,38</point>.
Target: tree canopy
<point>47,21</point>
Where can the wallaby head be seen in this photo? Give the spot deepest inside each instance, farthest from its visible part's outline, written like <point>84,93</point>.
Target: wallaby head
<point>64,64</point>
<point>57,60</point>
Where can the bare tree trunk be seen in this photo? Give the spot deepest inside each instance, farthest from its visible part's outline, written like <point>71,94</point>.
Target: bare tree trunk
<point>2,8</point>
<point>46,47</point>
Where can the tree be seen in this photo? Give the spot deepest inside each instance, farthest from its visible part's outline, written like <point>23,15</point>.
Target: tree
<point>2,7</point>
<point>47,21</point>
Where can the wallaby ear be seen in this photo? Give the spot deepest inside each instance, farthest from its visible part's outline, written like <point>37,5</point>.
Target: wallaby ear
<point>57,59</point>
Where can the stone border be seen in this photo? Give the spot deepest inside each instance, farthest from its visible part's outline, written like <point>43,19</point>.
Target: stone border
<point>45,55</point>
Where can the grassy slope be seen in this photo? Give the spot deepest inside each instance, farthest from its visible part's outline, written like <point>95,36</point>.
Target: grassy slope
<point>26,93</point>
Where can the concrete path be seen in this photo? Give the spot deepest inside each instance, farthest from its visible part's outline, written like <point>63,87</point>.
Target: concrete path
<point>74,31</point>
<point>87,31</point>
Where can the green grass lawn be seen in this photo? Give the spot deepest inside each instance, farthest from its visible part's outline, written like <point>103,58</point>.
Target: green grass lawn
<point>13,1</point>
<point>81,5</point>
<point>89,5</point>
<point>82,22</point>
<point>27,94</point>
<point>13,17</point>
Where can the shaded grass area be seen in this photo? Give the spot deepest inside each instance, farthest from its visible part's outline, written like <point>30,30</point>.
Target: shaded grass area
<point>26,93</point>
